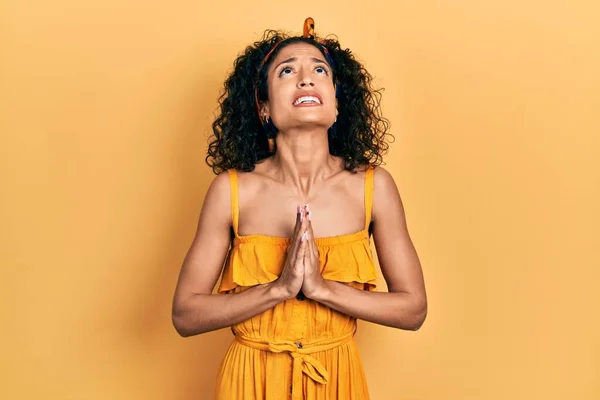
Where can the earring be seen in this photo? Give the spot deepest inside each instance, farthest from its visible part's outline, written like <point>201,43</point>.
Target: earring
<point>271,143</point>
<point>271,131</point>
<point>332,132</point>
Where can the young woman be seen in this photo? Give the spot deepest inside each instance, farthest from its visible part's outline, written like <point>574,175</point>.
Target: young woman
<point>298,194</point>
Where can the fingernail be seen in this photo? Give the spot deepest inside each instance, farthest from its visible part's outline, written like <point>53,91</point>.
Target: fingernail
<point>310,215</point>
<point>307,208</point>
<point>304,236</point>
<point>301,216</point>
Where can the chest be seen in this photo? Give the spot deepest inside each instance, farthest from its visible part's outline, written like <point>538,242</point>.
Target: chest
<point>335,210</point>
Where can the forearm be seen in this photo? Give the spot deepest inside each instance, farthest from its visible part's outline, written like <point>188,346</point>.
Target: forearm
<point>201,313</point>
<point>396,309</point>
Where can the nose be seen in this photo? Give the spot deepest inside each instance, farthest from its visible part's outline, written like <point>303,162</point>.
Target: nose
<point>305,81</point>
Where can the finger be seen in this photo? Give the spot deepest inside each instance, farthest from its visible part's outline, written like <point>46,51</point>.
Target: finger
<point>308,213</point>
<point>301,229</point>
<point>302,224</point>
<point>297,231</point>
<point>311,249</point>
<point>298,218</point>
<point>310,230</point>
<point>312,245</point>
<point>302,248</point>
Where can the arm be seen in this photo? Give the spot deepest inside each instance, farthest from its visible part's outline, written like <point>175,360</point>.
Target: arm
<point>405,305</point>
<point>195,309</point>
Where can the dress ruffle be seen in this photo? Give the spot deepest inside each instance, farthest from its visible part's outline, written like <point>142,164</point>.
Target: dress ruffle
<point>252,260</point>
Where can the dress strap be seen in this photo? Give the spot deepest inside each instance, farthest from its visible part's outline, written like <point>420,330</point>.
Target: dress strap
<point>235,207</point>
<point>368,195</point>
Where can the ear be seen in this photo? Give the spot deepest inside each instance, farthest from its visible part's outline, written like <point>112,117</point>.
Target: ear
<point>264,109</point>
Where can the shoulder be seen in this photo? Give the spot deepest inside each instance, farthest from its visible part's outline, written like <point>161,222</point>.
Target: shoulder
<point>218,196</point>
<point>386,196</point>
<point>220,185</point>
<point>383,180</point>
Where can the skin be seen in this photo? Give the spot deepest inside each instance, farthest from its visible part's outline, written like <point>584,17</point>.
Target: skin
<point>301,172</point>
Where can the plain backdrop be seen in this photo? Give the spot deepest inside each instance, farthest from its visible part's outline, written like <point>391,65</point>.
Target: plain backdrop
<point>105,111</point>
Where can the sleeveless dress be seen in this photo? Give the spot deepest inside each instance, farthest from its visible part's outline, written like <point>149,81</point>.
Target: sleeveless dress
<point>299,349</point>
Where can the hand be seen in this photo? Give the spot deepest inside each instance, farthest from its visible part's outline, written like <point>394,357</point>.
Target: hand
<point>292,275</point>
<point>314,284</point>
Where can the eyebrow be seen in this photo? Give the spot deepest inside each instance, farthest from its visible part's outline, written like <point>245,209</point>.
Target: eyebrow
<point>289,60</point>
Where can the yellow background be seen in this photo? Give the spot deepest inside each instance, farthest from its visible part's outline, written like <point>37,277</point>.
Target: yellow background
<point>105,109</point>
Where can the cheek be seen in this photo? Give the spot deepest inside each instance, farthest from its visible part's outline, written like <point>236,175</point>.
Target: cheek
<point>328,93</point>
<point>330,100</point>
<point>279,92</point>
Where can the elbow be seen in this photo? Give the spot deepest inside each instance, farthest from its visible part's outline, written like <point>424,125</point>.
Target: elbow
<point>181,323</point>
<point>188,322</point>
<point>413,321</point>
<point>180,326</point>
<point>419,316</point>
<point>186,327</point>
<point>417,322</point>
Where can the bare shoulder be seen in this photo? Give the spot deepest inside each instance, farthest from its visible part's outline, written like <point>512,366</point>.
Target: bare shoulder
<point>386,197</point>
<point>383,180</point>
<point>216,209</point>
<point>219,189</point>
<point>220,182</point>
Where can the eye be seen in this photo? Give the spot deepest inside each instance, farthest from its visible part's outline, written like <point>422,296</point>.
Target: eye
<point>322,70</point>
<point>286,71</point>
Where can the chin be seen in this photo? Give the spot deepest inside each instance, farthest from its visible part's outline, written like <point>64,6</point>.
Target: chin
<point>315,118</point>
<point>312,123</point>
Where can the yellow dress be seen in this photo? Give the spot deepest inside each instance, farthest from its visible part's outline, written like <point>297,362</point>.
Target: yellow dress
<point>299,349</point>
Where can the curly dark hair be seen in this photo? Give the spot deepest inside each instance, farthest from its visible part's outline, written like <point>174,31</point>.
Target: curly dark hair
<point>240,140</point>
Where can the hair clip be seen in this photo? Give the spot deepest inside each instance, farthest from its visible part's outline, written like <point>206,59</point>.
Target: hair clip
<point>309,28</point>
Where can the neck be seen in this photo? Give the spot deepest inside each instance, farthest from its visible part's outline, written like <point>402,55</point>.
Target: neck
<point>302,158</point>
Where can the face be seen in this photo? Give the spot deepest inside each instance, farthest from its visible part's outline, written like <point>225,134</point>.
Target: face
<point>301,90</point>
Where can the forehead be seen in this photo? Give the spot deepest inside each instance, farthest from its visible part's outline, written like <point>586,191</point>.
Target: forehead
<point>298,50</point>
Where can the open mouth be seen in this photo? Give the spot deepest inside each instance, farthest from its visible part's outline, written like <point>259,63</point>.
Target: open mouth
<point>307,100</point>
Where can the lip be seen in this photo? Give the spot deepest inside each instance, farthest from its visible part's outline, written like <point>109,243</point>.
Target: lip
<point>313,94</point>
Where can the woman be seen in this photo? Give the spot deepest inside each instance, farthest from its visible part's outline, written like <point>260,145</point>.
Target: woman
<point>300,136</point>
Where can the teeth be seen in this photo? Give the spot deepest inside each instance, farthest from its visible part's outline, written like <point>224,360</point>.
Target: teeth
<point>307,99</point>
